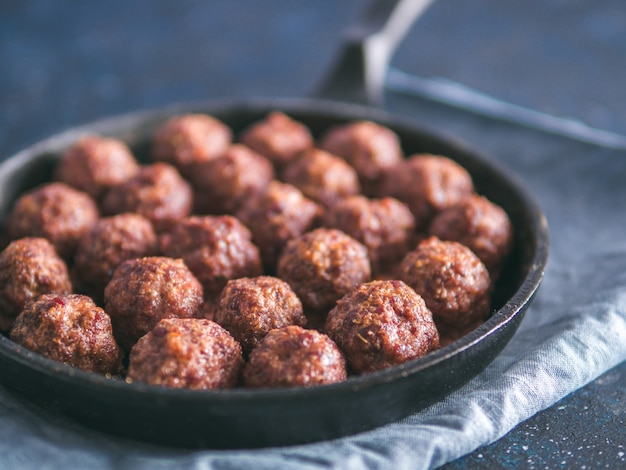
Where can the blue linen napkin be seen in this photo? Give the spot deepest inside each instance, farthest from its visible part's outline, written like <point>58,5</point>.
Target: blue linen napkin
<point>574,331</point>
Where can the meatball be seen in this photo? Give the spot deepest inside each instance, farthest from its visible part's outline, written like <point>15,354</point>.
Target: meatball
<point>381,324</point>
<point>144,291</point>
<point>275,215</point>
<point>54,211</point>
<point>250,307</point>
<point>277,137</point>
<point>112,240</point>
<point>223,183</point>
<point>385,226</point>
<point>292,357</point>
<point>94,164</point>
<point>479,224</point>
<point>427,184</point>
<point>369,147</point>
<point>29,267</point>
<point>322,177</point>
<point>71,329</point>
<point>323,265</point>
<point>188,353</point>
<point>215,248</point>
<point>185,140</point>
<point>454,283</point>
<point>157,192</point>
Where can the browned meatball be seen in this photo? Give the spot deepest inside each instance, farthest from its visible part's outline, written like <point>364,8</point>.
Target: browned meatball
<point>157,192</point>
<point>250,307</point>
<point>294,357</point>
<point>29,267</point>
<point>385,226</point>
<point>112,240</point>
<point>427,184</point>
<point>369,147</point>
<point>93,164</point>
<point>215,248</point>
<point>323,265</point>
<point>452,280</point>
<point>322,177</point>
<point>479,224</point>
<point>71,329</point>
<point>275,215</point>
<point>185,140</point>
<point>54,211</point>
<point>188,353</point>
<point>380,324</point>
<point>143,291</point>
<point>223,183</point>
<point>278,137</point>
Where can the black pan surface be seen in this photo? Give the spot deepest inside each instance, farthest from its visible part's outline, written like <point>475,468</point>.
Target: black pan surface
<point>256,418</point>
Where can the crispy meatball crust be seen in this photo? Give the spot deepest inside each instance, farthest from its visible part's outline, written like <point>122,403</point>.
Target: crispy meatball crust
<point>216,249</point>
<point>188,353</point>
<point>109,242</point>
<point>278,137</point>
<point>323,265</point>
<point>427,184</point>
<point>367,146</point>
<point>479,224</point>
<point>276,215</point>
<point>380,324</point>
<point>54,211</point>
<point>454,283</point>
<point>29,267</point>
<point>185,140</point>
<point>292,357</point>
<point>157,192</point>
<point>250,307</point>
<point>222,184</point>
<point>94,164</point>
<point>385,226</point>
<point>71,329</point>
<point>144,291</point>
<point>322,177</point>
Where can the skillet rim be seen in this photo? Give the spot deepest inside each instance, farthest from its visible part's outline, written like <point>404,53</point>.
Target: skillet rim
<point>506,314</point>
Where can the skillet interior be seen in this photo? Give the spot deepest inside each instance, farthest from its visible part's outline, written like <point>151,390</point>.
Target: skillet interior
<point>255,418</point>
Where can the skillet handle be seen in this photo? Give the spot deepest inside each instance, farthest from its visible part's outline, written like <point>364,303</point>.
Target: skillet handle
<point>359,72</point>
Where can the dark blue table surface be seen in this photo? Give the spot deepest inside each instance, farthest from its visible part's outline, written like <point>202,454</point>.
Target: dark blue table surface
<point>67,63</point>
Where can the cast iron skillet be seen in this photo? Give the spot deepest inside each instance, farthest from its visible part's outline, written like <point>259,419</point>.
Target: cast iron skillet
<point>256,418</point>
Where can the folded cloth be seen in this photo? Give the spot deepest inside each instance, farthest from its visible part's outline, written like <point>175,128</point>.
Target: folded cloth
<point>573,332</point>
